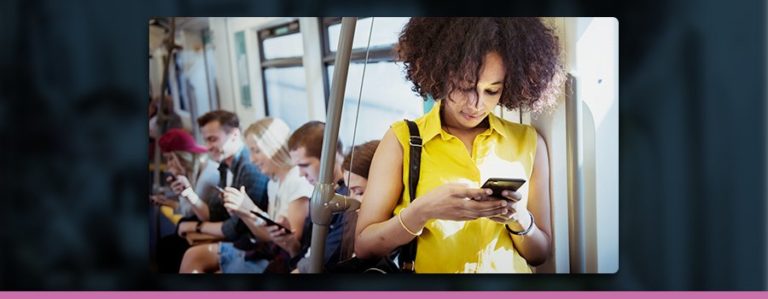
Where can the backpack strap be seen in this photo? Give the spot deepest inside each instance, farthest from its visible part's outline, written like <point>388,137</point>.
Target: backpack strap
<point>408,251</point>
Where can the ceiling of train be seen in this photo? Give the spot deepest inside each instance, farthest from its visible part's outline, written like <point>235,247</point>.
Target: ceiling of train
<point>160,27</point>
<point>190,24</point>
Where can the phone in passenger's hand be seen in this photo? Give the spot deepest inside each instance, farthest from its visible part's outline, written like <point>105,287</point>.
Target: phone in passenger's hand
<point>501,184</point>
<point>270,221</point>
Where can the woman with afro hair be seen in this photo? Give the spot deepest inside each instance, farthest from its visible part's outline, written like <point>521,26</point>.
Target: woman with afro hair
<point>469,65</point>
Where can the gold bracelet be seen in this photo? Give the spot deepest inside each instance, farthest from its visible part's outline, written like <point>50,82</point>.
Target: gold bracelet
<point>400,218</point>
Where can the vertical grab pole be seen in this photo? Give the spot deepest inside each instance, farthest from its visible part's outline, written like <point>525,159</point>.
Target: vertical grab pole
<point>170,42</point>
<point>573,120</point>
<point>320,209</point>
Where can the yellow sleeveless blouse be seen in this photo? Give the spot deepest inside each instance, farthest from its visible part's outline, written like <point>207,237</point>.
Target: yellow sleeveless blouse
<point>505,150</point>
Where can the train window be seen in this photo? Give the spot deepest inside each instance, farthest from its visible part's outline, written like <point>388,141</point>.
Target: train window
<point>283,46</point>
<point>387,96</point>
<point>285,84</point>
<point>286,90</point>
<point>385,32</point>
<point>281,41</point>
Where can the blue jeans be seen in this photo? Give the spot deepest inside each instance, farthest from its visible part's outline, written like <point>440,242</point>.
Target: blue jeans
<point>232,260</point>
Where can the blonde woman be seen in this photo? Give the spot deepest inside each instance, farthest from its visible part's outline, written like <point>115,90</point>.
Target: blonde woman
<point>287,191</point>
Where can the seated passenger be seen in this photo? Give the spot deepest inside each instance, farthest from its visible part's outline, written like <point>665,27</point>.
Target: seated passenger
<point>188,167</point>
<point>267,140</point>
<point>306,146</point>
<point>183,158</point>
<point>339,244</point>
<point>221,131</point>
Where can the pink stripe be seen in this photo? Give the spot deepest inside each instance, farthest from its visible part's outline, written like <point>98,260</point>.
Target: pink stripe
<point>381,295</point>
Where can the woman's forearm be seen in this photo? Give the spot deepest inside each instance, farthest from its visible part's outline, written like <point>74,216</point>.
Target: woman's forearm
<point>258,230</point>
<point>201,211</point>
<point>380,239</point>
<point>534,247</point>
<point>199,207</point>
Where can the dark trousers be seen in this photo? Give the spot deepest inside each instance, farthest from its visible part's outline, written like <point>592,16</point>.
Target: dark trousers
<point>170,251</point>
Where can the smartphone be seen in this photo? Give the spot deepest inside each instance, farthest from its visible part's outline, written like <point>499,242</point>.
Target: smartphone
<point>501,184</point>
<point>171,179</point>
<point>270,221</point>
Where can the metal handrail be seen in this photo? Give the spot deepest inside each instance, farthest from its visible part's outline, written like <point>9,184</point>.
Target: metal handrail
<point>324,199</point>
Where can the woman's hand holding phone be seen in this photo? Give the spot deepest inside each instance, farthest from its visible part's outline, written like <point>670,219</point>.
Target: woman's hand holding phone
<point>179,183</point>
<point>456,201</point>
<point>515,214</point>
<point>283,236</point>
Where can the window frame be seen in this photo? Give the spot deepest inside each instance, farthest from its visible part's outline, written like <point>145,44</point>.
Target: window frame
<point>283,28</point>
<point>376,53</point>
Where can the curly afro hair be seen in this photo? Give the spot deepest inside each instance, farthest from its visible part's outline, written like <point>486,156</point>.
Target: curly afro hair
<point>445,54</point>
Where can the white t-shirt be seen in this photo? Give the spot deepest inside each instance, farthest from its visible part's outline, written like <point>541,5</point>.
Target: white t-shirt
<point>281,194</point>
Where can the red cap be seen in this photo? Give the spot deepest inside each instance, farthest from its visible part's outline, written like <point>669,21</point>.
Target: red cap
<point>179,140</point>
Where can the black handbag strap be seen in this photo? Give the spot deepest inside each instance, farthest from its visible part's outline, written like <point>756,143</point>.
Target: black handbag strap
<point>408,251</point>
<point>415,162</point>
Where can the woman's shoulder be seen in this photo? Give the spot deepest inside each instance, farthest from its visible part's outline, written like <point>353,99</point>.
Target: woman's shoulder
<point>399,126</point>
<point>401,131</point>
<point>294,186</point>
<point>516,129</point>
<point>294,179</point>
